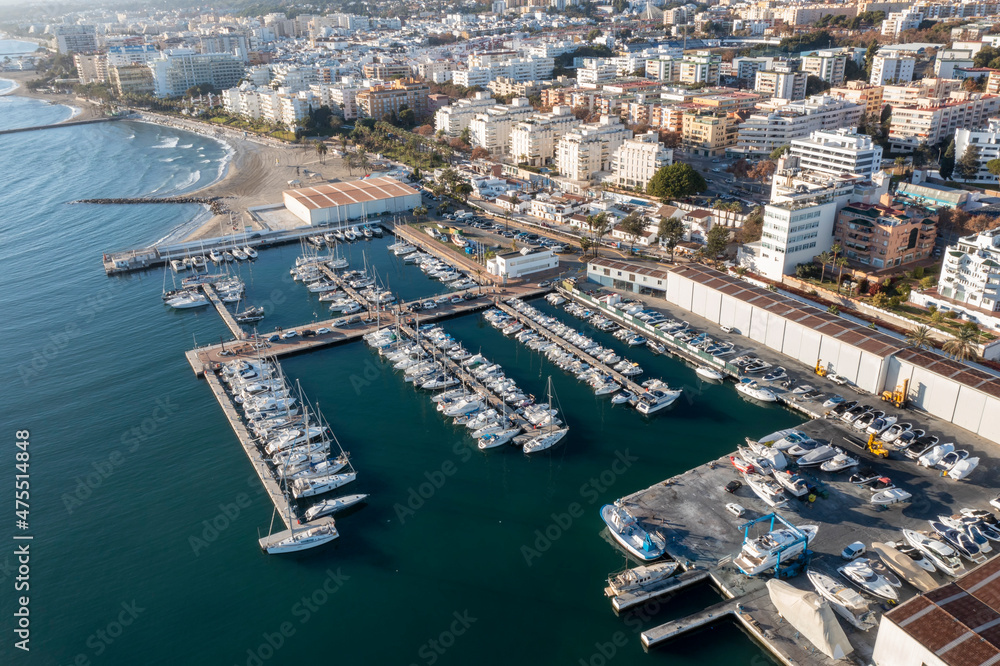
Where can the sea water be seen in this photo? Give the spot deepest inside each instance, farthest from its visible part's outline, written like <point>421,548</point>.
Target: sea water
<point>145,512</point>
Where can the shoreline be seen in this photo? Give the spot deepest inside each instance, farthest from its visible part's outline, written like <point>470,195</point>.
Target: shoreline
<point>80,109</point>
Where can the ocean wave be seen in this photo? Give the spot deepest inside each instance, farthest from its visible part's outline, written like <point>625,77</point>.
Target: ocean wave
<point>168,142</point>
<point>192,179</point>
<point>206,161</point>
<point>186,145</point>
<point>170,159</point>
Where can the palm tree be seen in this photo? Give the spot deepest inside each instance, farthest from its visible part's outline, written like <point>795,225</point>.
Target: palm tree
<point>841,263</point>
<point>321,150</point>
<point>824,259</point>
<point>963,346</point>
<point>836,250</point>
<point>349,163</point>
<point>598,227</point>
<point>363,162</point>
<point>920,337</point>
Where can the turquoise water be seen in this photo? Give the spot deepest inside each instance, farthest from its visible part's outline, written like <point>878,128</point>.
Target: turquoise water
<point>145,512</point>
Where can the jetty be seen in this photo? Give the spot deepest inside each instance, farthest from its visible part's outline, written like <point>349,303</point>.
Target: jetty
<point>68,123</point>
<point>282,505</point>
<point>214,203</point>
<point>627,383</point>
<point>226,315</point>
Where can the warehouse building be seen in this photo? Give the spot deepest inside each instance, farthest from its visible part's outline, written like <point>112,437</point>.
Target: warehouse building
<point>331,203</point>
<point>953,625</point>
<point>523,262</point>
<point>870,360</point>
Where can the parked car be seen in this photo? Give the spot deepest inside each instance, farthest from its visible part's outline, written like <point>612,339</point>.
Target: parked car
<point>853,551</point>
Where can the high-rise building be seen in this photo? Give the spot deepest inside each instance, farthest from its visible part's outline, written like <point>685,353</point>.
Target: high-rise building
<point>882,237</point>
<point>931,120</point>
<point>838,152</point>
<point>177,70</point>
<point>392,98</point>
<point>782,82</point>
<point>638,159</point>
<point>863,94</point>
<point>75,38</point>
<point>533,140</point>
<point>131,80</point>
<point>490,128</point>
<point>91,67</point>
<point>892,68</point>
<point>700,67</point>
<point>707,134</point>
<point>454,118</point>
<point>779,124</point>
<point>986,142</point>
<point>588,149</point>
<point>829,65</point>
<point>971,271</point>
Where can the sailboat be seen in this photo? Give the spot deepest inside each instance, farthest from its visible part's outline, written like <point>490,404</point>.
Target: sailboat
<point>551,435</point>
<point>299,539</point>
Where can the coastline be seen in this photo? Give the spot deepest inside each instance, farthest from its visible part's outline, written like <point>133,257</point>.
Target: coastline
<point>80,109</point>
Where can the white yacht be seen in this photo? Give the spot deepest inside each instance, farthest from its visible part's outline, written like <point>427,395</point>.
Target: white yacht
<point>766,488</point>
<point>544,441</point>
<point>322,484</point>
<point>938,552</point>
<point>763,553</point>
<point>653,400</point>
<point>751,389</point>
<point>188,300</point>
<point>639,577</point>
<point>629,534</point>
<point>326,507</point>
<point>495,439</point>
<point>302,539</point>
<point>861,573</point>
<point>250,252</point>
<point>706,372</point>
<point>845,601</point>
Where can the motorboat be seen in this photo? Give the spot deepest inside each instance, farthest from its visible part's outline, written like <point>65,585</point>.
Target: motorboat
<point>322,484</point>
<point>625,529</point>
<point>959,540</point>
<point>839,463</point>
<point>793,483</point>
<point>763,553</point>
<point>621,397</point>
<point>742,465</point>
<point>786,439</point>
<point>940,554</point>
<point>845,601</point>
<point>907,567</point>
<point>864,476</point>
<point>892,433</point>
<point>653,400</point>
<point>861,573</point>
<point>751,389</point>
<point>890,496</point>
<point>880,425</point>
<point>640,577</point>
<point>803,447</point>
<point>250,252</point>
<point>766,488</point>
<point>920,446</point>
<point>962,468</point>
<point>706,372</point>
<point>934,456</point>
<point>327,507</point>
<point>952,458</point>
<point>818,456</point>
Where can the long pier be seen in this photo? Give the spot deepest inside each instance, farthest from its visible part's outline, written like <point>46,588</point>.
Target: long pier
<point>433,247</point>
<point>226,315</point>
<point>282,505</point>
<point>68,123</point>
<point>593,362</point>
<point>711,615</point>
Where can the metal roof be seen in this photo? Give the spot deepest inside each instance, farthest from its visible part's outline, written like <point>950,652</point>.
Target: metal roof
<point>329,195</point>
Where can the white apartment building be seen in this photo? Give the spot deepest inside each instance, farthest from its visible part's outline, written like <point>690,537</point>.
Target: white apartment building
<point>454,118</point>
<point>838,152</point>
<point>523,262</point>
<point>75,38</point>
<point>491,128</point>
<point>780,124</point>
<point>948,60</point>
<point>971,271</point>
<point>122,55</point>
<point>897,22</point>
<point>747,68</point>
<point>987,141</point>
<point>700,67</point>
<point>91,67</point>
<point>664,69</point>
<point>892,68</point>
<point>338,96</point>
<point>596,71</point>
<point>794,232</point>
<point>932,120</point>
<point>781,83</point>
<point>589,148</point>
<point>828,65</point>
<point>474,76</point>
<point>533,140</point>
<point>484,68</point>
<point>179,69</point>
<point>918,90</point>
<point>274,107</point>
<point>636,160</point>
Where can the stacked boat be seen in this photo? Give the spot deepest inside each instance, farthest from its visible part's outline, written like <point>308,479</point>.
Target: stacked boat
<point>295,440</point>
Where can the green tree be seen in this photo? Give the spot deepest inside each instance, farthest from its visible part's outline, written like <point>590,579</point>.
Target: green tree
<point>919,337</point>
<point>633,227</point>
<point>717,240</point>
<point>671,232</point>
<point>599,225</point>
<point>963,346</point>
<point>780,150</point>
<point>841,263</point>
<point>948,160</point>
<point>968,166</point>
<point>320,150</point>
<point>993,166</point>
<point>752,227</point>
<point>676,181</point>
<point>825,258</point>
<point>585,245</point>
<point>348,161</point>
<point>926,282</point>
<point>466,136</point>
<point>463,190</point>
<point>870,58</point>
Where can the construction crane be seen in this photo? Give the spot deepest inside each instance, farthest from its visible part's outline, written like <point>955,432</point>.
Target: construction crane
<point>897,398</point>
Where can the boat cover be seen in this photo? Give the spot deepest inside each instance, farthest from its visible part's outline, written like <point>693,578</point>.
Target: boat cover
<point>905,567</point>
<point>812,616</point>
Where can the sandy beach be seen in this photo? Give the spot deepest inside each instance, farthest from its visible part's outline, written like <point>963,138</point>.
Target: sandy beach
<point>259,170</point>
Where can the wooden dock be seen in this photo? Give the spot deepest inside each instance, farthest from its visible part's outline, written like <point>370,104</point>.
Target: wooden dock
<point>226,315</point>
<point>593,362</point>
<point>427,244</point>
